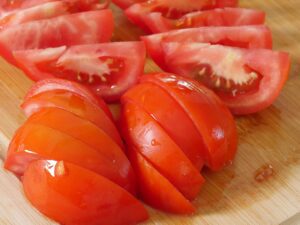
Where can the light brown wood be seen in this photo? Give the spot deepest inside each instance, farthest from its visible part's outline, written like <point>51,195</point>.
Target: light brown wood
<point>232,196</point>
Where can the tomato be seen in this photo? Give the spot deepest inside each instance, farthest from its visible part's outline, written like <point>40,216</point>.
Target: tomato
<point>62,84</point>
<point>155,189</point>
<point>210,116</point>
<point>35,141</point>
<point>242,36</point>
<point>74,29</point>
<point>108,70</point>
<point>72,195</point>
<point>75,104</point>
<point>177,7</point>
<point>143,132</point>
<point>155,22</point>
<point>241,77</point>
<point>158,103</point>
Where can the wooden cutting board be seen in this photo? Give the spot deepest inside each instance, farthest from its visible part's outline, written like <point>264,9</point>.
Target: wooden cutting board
<point>268,142</point>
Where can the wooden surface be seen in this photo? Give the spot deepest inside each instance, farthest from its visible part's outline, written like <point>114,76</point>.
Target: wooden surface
<point>270,139</point>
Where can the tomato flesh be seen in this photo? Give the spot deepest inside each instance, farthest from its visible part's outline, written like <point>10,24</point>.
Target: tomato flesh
<point>83,196</point>
<point>143,132</point>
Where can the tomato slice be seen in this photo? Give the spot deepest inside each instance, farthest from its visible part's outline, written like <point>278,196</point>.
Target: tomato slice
<point>108,70</point>
<point>250,37</point>
<point>167,112</point>
<point>73,29</point>
<point>155,189</point>
<point>241,77</point>
<point>155,22</point>
<point>72,195</point>
<point>73,103</point>
<point>62,84</point>
<point>211,117</point>
<point>143,132</point>
<point>35,141</point>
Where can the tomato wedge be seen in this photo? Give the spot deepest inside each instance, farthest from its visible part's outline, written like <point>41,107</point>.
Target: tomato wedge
<point>62,84</point>
<point>35,141</point>
<point>73,103</point>
<point>241,77</point>
<point>108,70</point>
<point>158,103</point>
<point>72,195</point>
<point>143,132</point>
<point>242,36</point>
<point>74,29</point>
<point>211,117</point>
<point>155,189</point>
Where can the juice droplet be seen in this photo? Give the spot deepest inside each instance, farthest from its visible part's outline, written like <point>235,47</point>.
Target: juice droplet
<point>264,173</point>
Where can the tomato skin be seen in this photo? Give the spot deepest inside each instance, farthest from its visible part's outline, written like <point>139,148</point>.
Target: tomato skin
<point>155,189</point>
<point>31,141</point>
<point>143,132</point>
<point>54,32</point>
<point>250,37</point>
<point>62,84</point>
<point>75,104</point>
<point>158,103</point>
<point>83,196</point>
<point>201,104</point>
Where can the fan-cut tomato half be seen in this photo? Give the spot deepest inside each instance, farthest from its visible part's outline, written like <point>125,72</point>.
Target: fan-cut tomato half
<point>108,69</point>
<point>241,36</point>
<point>72,195</point>
<point>156,22</point>
<point>247,80</point>
<point>65,30</point>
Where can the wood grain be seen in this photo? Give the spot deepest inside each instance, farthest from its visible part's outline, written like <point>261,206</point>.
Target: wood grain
<point>232,196</point>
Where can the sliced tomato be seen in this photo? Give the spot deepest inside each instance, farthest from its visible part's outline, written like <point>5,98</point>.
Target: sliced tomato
<point>72,195</point>
<point>35,141</point>
<point>88,133</point>
<point>155,189</point>
<point>75,104</point>
<point>211,117</point>
<point>242,36</point>
<point>74,29</point>
<point>167,112</point>
<point>241,77</point>
<point>156,22</point>
<point>108,70</point>
<point>142,132</point>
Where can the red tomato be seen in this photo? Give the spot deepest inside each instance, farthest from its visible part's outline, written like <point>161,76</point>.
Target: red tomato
<point>73,195</point>
<point>210,116</point>
<point>241,77</point>
<point>75,104</point>
<point>62,84</point>
<point>108,70</point>
<point>143,132</point>
<point>155,189</point>
<point>34,141</point>
<point>241,36</point>
<point>155,22</point>
<point>158,103</point>
<point>74,29</point>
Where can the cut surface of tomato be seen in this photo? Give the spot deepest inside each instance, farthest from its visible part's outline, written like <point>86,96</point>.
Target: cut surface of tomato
<point>167,112</point>
<point>72,195</point>
<point>155,22</point>
<point>247,80</point>
<point>35,141</point>
<point>73,29</point>
<point>250,37</point>
<point>211,117</point>
<point>75,104</point>
<point>108,69</point>
<point>142,132</point>
<point>155,189</point>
